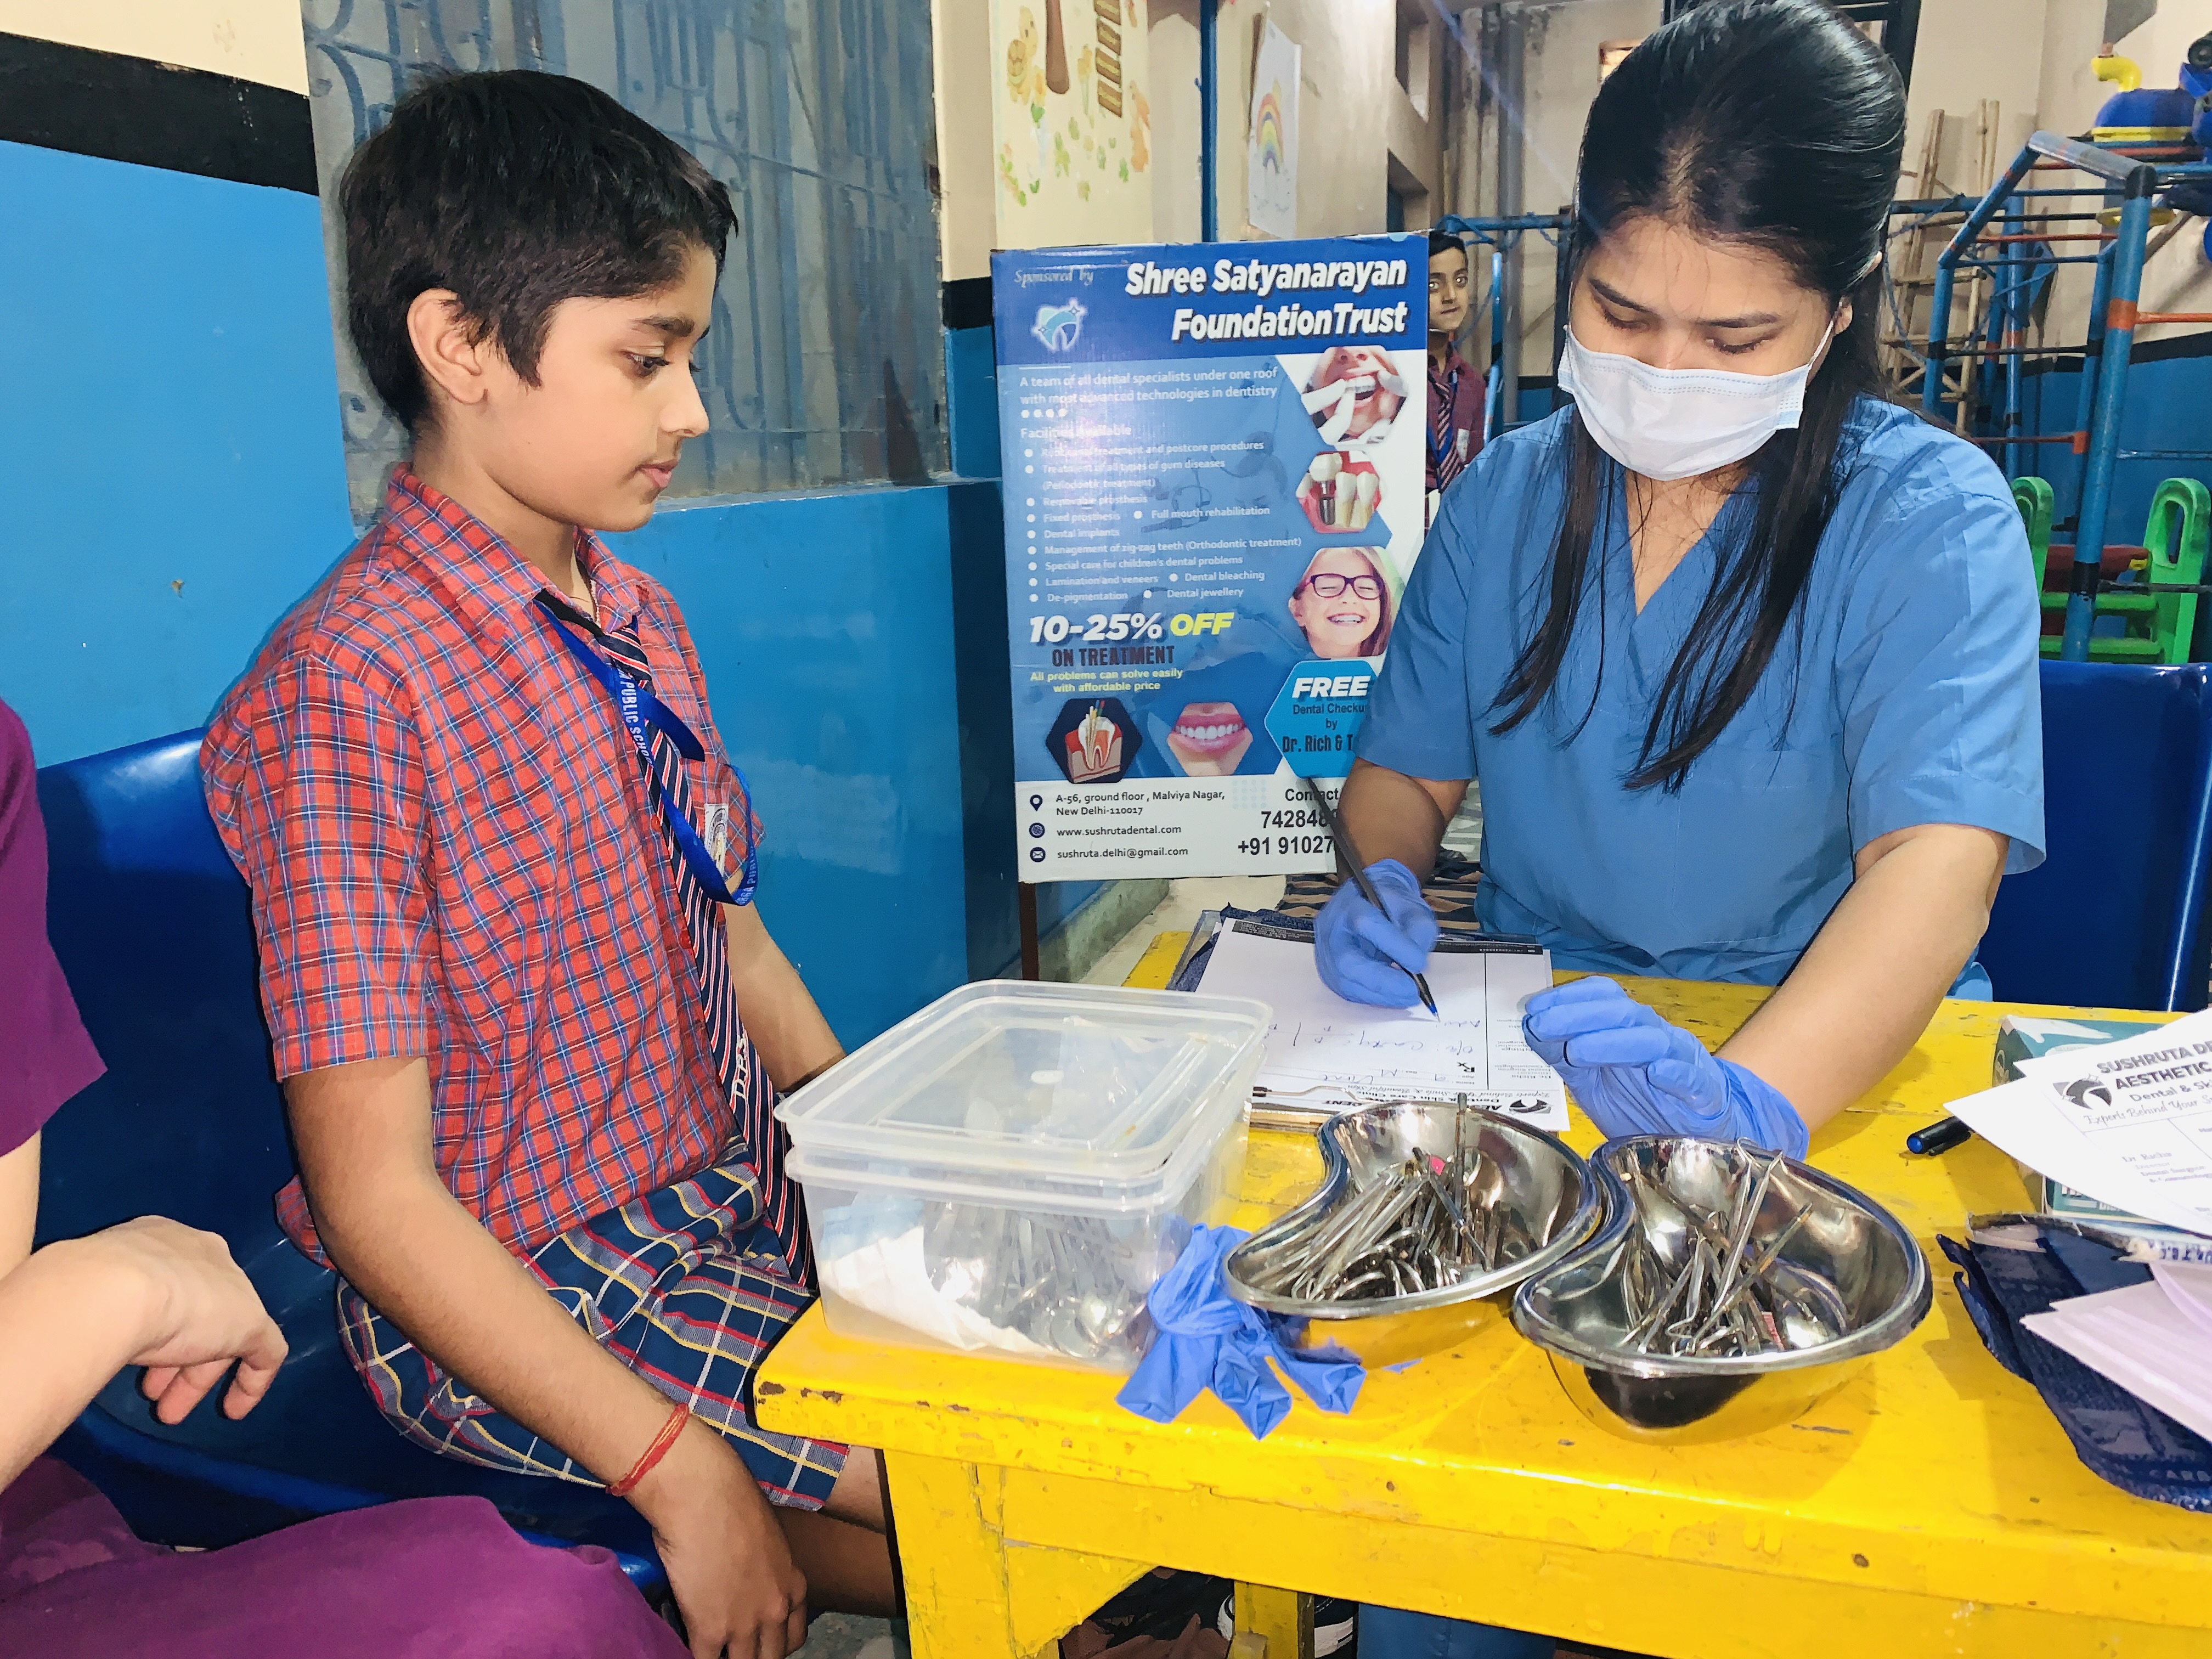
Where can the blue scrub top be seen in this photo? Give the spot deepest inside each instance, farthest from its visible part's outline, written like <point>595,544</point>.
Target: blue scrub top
<point>1909,696</point>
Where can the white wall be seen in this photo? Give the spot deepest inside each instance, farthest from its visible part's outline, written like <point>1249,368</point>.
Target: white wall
<point>2178,277</point>
<point>1353,119</point>
<point>961,30</point>
<point>2030,56</point>
<point>1559,80</point>
<point>253,40</point>
<point>1174,45</point>
<point>1353,114</point>
<point>1968,50</point>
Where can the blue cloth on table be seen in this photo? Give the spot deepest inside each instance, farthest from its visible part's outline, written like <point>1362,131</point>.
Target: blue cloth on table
<point>1906,694</point>
<point>2136,1446</point>
<point>1208,1339</point>
<point>1390,1633</point>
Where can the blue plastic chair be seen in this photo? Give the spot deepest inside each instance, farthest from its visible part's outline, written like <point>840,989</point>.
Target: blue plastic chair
<point>153,927</point>
<point>2113,917</point>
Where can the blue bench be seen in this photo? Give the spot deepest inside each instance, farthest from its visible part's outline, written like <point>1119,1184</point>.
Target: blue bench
<point>153,929</point>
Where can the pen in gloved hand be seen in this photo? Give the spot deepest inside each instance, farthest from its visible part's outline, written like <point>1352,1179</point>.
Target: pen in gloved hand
<point>1349,854</point>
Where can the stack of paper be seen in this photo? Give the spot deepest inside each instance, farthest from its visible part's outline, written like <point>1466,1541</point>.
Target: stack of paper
<point>2154,1339</point>
<point>2188,1285</point>
<point>2024,1037</point>
<point>1324,1055</point>
<point>2128,1123</point>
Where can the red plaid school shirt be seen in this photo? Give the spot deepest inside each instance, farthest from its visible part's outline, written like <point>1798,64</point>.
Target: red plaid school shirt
<point>453,854</point>
<point>1456,414</point>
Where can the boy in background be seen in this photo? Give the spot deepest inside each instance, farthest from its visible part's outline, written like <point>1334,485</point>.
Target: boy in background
<point>1455,389</point>
<point>529,1024</point>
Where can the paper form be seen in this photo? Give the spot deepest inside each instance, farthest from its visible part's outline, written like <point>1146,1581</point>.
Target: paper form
<point>2136,1337</point>
<point>2128,1123</point>
<point>1327,1055</point>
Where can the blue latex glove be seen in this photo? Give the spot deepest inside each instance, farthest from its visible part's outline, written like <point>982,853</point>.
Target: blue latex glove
<point>1637,1075</point>
<point>1354,945</point>
<point>1208,1339</point>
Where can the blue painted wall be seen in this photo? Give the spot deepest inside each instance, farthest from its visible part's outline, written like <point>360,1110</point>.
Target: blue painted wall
<point>971,401</point>
<point>170,417</point>
<point>169,450</point>
<point>824,625</point>
<point>2169,406</point>
<point>971,393</point>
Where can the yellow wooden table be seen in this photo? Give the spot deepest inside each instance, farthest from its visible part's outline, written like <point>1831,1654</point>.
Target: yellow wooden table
<point>1931,1507</point>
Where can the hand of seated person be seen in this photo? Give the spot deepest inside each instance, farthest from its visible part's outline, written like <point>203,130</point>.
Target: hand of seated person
<point>1636,1075</point>
<point>197,1314</point>
<point>735,1582</point>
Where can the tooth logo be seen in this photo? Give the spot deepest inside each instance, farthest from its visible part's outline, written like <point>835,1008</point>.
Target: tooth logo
<point>2088,1094</point>
<point>1059,327</point>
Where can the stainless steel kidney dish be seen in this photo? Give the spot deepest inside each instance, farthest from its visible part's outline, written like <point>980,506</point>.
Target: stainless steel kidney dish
<point>1728,1290</point>
<point>1428,1215</point>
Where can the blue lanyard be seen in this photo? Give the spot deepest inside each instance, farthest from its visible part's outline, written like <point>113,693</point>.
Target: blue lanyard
<point>641,709</point>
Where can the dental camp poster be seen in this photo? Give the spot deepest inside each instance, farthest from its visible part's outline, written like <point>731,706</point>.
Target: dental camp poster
<point>1213,487</point>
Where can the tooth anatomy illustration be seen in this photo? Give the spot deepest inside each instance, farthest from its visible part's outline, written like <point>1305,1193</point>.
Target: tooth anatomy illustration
<point>1367,490</point>
<point>1094,748</point>
<point>1324,472</point>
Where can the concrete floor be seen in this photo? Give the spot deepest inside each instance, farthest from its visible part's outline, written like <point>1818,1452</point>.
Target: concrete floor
<point>846,1636</point>
<point>1178,913</point>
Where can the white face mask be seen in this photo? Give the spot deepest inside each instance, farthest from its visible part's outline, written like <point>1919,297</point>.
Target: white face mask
<point>1669,424</point>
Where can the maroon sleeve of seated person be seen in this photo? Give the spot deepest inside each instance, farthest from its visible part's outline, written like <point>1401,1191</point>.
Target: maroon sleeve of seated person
<point>44,1054</point>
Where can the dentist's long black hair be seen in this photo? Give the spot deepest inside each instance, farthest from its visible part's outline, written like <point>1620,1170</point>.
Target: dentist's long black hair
<point>1776,125</point>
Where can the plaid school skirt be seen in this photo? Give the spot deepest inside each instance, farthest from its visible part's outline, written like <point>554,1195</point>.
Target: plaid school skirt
<point>687,1286</point>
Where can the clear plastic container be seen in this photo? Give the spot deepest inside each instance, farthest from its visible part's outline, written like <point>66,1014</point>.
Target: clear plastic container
<point>1010,1169</point>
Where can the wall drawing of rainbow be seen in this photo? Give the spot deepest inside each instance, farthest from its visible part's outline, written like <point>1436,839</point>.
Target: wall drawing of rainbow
<point>1267,130</point>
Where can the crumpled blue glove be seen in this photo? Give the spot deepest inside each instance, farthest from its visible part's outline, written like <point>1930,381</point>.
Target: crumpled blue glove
<point>1637,1075</point>
<point>1209,1339</point>
<point>1355,945</point>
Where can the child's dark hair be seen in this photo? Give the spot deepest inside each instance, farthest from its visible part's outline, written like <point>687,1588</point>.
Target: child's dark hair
<point>517,191</point>
<point>1773,125</point>
<point>1442,242</point>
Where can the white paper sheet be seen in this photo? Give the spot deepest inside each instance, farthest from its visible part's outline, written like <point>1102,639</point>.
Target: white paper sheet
<point>1326,1053</point>
<point>2188,1285</point>
<point>2138,1339</point>
<point>1271,155</point>
<point>2128,1123</point>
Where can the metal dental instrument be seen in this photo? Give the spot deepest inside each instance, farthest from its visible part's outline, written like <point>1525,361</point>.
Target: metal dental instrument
<point>1727,1292</point>
<point>1066,1283</point>
<point>1416,1226</point>
<point>1349,854</point>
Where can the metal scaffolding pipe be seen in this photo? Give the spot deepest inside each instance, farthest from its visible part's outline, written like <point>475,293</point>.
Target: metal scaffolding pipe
<point>2126,290</point>
<point>1512,82</point>
<point>1209,120</point>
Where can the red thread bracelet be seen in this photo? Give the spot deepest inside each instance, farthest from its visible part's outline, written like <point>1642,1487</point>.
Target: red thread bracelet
<point>652,1454</point>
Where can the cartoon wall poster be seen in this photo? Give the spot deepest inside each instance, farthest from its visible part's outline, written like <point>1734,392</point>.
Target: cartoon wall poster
<point>1271,165</point>
<point>1070,122</point>
<point>1212,456</point>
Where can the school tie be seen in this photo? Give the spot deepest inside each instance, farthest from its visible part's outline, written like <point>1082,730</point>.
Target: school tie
<point>1443,396</point>
<point>744,1081</point>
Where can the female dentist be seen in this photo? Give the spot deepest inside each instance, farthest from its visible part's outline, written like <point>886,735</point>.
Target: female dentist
<point>1744,656</point>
